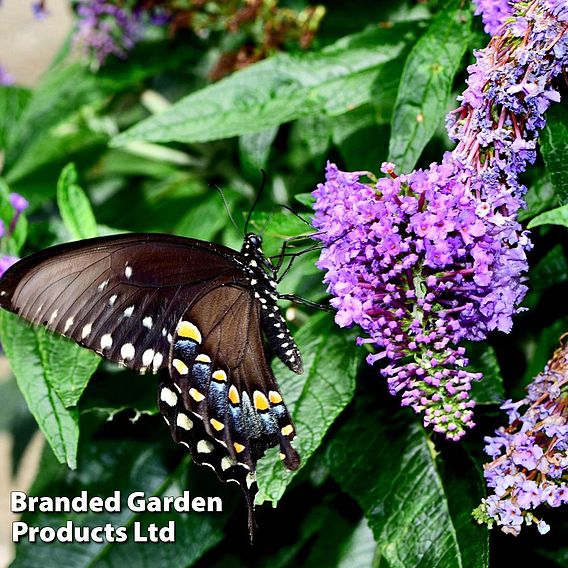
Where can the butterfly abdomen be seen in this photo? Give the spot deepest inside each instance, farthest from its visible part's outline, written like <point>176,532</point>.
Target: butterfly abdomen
<point>257,267</point>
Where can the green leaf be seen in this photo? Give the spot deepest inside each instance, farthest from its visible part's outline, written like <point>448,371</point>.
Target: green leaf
<point>553,145</point>
<point>483,359</point>
<point>207,216</point>
<point>426,83</point>
<point>28,353</point>
<point>538,198</point>
<point>254,148</point>
<point>360,138</point>
<point>558,216</point>
<point>550,271</point>
<point>342,544</point>
<point>74,206</point>
<point>13,100</point>
<point>391,469</point>
<point>61,93</point>
<point>306,199</point>
<point>15,242</point>
<point>282,88</point>
<point>315,399</point>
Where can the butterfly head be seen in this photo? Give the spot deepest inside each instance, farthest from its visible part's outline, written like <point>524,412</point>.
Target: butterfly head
<point>252,243</point>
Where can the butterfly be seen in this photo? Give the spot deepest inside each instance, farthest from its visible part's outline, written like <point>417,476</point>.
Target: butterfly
<point>155,301</point>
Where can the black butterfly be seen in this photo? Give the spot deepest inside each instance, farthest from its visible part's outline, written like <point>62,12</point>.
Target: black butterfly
<point>150,301</point>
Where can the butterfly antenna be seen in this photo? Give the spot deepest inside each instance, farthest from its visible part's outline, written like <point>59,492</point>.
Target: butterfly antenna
<point>226,205</point>
<point>256,199</point>
<point>288,208</point>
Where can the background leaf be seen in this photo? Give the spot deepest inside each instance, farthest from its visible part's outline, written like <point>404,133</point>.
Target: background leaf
<point>52,373</point>
<point>391,469</point>
<point>558,216</point>
<point>74,206</point>
<point>280,89</point>
<point>553,145</point>
<point>426,82</point>
<point>314,399</point>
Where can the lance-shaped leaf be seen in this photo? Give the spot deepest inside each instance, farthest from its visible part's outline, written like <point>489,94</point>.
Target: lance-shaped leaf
<point>420,516</point>
<point>426,83</point>
<point>74,206</point>
<point>315,398</point>
<point>554,144</point>
<point>332,81</point>
<point>52,372</point>
<point>558,216</point>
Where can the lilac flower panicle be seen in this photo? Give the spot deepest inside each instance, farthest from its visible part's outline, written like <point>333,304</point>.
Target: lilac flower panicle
<point>424,260</point>
<point>493,13</point>
<point>18,202</point>
<point>39,10</point>
<point>530,455</point>
<point>105,28</point>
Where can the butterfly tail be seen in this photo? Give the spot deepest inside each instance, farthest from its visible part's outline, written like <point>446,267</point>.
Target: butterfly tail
<point>250,494</point>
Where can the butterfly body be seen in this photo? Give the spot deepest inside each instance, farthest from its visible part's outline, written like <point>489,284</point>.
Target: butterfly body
<point>150,301</point>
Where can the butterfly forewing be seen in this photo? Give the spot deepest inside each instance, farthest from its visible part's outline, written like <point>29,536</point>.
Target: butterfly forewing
<point>120,296</point>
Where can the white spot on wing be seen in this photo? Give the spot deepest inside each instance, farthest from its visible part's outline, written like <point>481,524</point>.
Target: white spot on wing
<point>53,316</point>
<point>127,351</point>
<point>147,357</point>
<point>251,478</point>
<point>106,341</point>
<point>147,322</point>
<point>184,422</point>
<point>112,300</point>
<point>68,324</point>
<point>128,271</point>
<point>168,396</point>
<point>227,462</point>
<point>86,330</point>
<point>204,447</point>
<point>128,311</point>
<point>158,358</point>
<point>102,285</point>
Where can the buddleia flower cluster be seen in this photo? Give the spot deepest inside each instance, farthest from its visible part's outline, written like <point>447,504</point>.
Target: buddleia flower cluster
<point>530,456</point>
<point>422,261</point>
<point>493,13</point>
<point>19,204</point>
<point>114,27</point>
<point>107,28</point>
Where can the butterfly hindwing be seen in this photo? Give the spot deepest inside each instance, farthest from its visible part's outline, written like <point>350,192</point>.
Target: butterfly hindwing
<point>223,383</point>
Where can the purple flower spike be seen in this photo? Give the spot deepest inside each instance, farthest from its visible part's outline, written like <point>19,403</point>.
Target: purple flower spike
<point>107,28</point>
<point>424,260</point>
<point>18,202</point>
<point>493,13</point>
<point>39,10</point>
<point>530,456</point>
